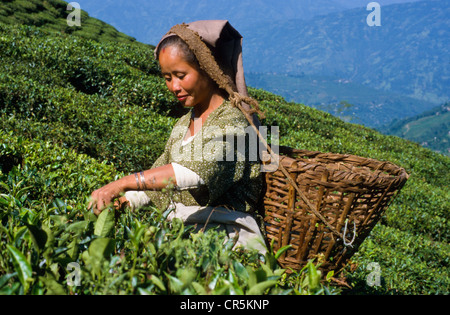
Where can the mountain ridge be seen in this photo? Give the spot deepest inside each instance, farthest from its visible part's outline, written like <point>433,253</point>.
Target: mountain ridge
<point>138,20</point>
<point>408,54</point>
<point>139,17</point>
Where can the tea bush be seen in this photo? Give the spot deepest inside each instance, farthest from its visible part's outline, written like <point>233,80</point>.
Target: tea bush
<point>46,230</point>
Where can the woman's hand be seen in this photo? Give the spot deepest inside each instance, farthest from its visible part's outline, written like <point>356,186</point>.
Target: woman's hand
<point>104,197</point>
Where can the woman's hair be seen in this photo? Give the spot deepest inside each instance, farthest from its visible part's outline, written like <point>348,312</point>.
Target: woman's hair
<point>175,41</point>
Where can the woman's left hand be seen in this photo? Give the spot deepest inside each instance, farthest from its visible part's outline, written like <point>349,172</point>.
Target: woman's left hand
<point>104,197</point>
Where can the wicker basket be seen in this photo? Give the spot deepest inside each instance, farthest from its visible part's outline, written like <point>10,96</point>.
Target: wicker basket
<point>337,202</point>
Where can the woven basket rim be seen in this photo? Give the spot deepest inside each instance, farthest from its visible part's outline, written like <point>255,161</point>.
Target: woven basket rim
<point>381,172</point>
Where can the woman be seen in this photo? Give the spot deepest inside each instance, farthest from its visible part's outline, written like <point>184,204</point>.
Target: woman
<point>207,157</point>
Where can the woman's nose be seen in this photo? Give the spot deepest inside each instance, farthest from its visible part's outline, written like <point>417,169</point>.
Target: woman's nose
<point>176,86</point>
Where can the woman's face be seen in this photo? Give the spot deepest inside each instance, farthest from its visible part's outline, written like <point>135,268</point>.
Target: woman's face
<point>188,84</point>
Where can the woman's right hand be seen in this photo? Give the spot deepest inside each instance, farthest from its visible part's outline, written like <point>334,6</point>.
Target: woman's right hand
<point>105,196</point>
<point>153,179</point>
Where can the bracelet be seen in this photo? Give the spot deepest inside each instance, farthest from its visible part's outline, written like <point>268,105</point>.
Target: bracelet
<point>137,181</point>
<point>143,181</point>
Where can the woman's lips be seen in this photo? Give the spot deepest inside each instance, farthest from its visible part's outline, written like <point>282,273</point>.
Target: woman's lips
<point>182,97</point>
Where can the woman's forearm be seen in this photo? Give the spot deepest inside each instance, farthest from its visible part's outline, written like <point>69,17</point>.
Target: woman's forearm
<point>153,179</point>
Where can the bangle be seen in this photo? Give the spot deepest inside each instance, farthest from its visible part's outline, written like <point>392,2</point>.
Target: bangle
<point>143,181</point>
<point>137,181</point>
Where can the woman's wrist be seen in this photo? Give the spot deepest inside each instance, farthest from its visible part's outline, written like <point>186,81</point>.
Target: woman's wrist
<point>140,181</point>
<point>154,179</point>
<point>128,183</point>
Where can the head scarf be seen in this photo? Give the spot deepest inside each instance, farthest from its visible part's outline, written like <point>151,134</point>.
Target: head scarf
<point>214,40</point>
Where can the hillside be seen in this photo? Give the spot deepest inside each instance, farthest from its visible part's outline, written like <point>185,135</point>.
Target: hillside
<point>52,15</point>
<point>430,129</point>
<point>75,113</point>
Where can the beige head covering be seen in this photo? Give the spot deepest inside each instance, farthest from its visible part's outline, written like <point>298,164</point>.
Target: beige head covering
<point>216,40</point>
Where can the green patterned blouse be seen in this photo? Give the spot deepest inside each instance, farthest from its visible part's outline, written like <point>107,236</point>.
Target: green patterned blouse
<point>224,154</point>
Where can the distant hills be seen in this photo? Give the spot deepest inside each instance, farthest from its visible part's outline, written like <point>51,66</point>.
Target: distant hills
<point>430,129</point>
<point>408,54</point>
<point>351,101</point>
<point>148,20</point>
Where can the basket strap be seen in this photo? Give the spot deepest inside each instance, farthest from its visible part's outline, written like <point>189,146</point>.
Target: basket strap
<point>289,178</point>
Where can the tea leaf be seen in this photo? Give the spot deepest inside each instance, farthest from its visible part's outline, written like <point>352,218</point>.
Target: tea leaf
<point>77,227</point>
<point>156,281</point>
<point>199,289</point>
<point>101,248</point>
<point>105,223</point>
<point>21,265</point>
<point>259,288</point>
<point>5,278</point>
<point>175,284</point>
<point>282,250</point>
<point>314,276</point>
<point>330,275</point>
<point>240,270</point>
<point>52,286</point>
<point>38,236</point>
